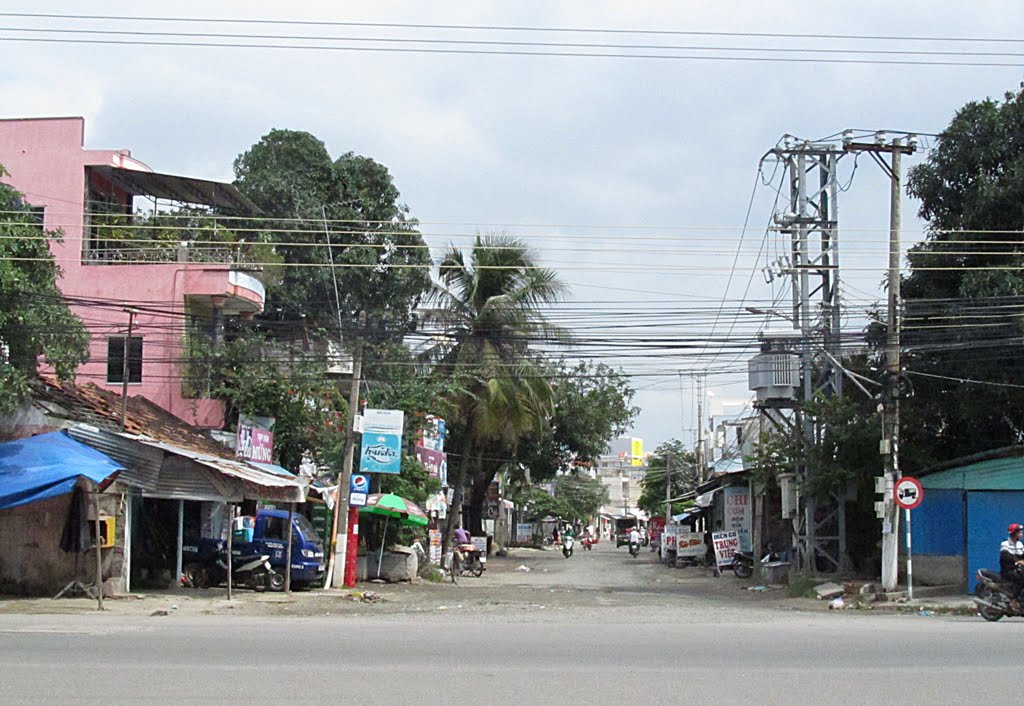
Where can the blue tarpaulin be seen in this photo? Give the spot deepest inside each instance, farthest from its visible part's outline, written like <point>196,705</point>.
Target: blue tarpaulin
<point>48,465</point>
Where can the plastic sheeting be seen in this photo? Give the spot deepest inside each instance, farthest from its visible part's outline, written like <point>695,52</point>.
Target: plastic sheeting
<point>48,465</point>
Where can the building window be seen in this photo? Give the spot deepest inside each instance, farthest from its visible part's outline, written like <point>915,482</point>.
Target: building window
<point>115,359</point>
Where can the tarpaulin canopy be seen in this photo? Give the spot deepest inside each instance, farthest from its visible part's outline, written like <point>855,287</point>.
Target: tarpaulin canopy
<point>48,465</point>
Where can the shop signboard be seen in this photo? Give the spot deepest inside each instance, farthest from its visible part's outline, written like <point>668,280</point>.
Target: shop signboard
<point>434,461</point>
<point>690,544</point>
<point>481,544</point>
<point>524,533</point>
<point>433,433</point>
<point>736,499</point>
<point>726,545</point>
<point>382,441</point>
<point>255,440</point>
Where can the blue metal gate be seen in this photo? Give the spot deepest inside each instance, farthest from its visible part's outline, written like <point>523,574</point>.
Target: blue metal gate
<point>989,512</point>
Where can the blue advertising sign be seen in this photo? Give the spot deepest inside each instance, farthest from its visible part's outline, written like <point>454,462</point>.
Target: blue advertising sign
<point>381,453</point>
<point>358,489</point>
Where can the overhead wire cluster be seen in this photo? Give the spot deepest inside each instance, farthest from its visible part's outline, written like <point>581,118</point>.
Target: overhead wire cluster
<point>509,40</point>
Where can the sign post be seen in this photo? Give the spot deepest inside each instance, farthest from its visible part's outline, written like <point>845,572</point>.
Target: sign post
<point>908,494</point>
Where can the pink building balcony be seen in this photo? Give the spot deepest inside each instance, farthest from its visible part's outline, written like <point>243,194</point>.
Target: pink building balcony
<point>168,272</point>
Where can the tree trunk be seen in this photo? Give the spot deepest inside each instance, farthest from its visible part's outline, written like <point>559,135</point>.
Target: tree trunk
<point>478,496</point>
<point>456,482</point>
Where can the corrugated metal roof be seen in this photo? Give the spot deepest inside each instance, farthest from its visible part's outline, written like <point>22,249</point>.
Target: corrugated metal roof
<point>997,474</point>
<point>142,463</point>
<point>284,488</point>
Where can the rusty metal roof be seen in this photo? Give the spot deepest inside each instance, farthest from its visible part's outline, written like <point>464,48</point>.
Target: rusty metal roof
<point>150,425</point>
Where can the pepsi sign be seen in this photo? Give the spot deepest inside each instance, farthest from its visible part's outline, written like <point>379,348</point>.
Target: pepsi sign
<point>358,489</point>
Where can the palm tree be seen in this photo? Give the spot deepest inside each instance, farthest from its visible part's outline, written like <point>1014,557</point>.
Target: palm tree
<point>490,308</point>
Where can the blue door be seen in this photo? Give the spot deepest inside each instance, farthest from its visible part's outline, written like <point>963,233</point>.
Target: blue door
<point>989,512</point>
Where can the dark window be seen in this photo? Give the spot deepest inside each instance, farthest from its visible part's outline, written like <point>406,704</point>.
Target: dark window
<point>115,359</point>
<point>276,528</point>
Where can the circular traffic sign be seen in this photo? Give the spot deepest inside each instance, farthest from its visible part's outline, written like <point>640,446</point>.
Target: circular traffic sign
<point>908,492</point>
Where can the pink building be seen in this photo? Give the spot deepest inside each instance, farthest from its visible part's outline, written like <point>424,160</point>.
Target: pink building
<point>172,287</point>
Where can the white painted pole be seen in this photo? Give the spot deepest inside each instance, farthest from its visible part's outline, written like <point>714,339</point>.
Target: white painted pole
<point>910,562</point>
<point>181,538</point>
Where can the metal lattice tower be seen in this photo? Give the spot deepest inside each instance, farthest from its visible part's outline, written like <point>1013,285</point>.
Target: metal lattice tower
<point>811,225</point>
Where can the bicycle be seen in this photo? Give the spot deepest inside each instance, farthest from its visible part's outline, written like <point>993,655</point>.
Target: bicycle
<point>452,563</point>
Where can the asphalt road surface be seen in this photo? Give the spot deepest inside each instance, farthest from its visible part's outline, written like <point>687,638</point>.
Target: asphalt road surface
<point>518,638</point>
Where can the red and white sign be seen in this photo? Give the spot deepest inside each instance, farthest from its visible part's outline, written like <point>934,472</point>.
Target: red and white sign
<point>908,492</point>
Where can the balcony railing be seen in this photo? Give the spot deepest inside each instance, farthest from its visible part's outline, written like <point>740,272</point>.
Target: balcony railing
<point>114,253</point>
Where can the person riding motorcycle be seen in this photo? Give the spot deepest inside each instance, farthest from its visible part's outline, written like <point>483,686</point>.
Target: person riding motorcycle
<point>1011,560</point>
<point>634,539</point>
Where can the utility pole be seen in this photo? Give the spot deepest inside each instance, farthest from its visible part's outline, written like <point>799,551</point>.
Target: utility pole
<point>668,489</point>
<point>699,378</point>
<point>890,398</point>
<point>125,368</point>
<point>340,525</point>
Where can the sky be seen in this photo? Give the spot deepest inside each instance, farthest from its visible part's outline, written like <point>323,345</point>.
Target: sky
<point>637,179</point>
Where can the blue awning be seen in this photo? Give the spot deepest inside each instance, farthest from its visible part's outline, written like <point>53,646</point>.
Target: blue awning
<point>48,465</point>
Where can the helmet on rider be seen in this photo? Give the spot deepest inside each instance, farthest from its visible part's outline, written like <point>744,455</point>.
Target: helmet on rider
<point>1014,527</point>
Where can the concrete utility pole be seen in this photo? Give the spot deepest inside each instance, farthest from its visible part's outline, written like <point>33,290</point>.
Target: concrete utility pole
<point>699,378</point>
<point>890,523</point>
<point>890,398</point>
<point>668,489</point>
<point>340,534</point>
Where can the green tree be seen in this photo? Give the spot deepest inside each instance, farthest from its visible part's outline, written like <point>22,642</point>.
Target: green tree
<point>963,291</point>
<point>581,495</point>
<point>34,319</point>
<point>309,411</point>
<point>591,405</point>
<point>669,454</point>
<point>342,215</point>
<point>489,304</point>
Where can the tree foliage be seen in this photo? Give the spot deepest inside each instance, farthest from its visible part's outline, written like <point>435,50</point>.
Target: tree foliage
<point>488,302</point>
<point>309,411</point>
<point>378,256</point>
<point>581,495</point>
<point>674,455</point>
<point>34,319</point>
<point>964,290</point>
<point>591,405</point>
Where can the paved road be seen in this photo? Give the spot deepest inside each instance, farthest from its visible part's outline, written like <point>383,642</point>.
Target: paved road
<point>514,651</point>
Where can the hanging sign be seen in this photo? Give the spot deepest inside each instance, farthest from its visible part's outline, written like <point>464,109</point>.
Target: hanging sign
<point>381,450</point>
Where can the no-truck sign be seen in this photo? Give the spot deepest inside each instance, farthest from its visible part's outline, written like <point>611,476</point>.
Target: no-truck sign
<point>908,492</point>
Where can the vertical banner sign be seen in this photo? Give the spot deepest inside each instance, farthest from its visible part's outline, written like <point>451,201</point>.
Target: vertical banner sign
<point>430,448</point>
<point>636,452</point>
<point>524,533</point>
<point>435,546</point>
<point>381,450</point>
<point>726,545</point>
<point>738,513</point>
<point>669,538</point>
<point>255,440</point>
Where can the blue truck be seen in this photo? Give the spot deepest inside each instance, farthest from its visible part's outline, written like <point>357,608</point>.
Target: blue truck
<point>203,558</point>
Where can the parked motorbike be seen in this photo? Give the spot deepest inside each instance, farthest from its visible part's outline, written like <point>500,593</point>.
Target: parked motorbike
<point>995,597</point>
<point>634,549</point>
<point>567,544</point>
<point>472,560</point>
<point>252,571</point>
<point>743,562</point>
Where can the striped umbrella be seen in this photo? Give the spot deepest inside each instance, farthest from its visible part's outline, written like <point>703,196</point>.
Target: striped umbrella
<point>390,505</point>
